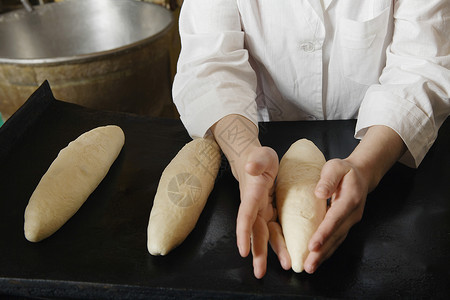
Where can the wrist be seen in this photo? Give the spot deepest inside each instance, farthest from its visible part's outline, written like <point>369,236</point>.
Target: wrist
<point>379,149</point>
<point>237,137</point>
<point>367,170</point>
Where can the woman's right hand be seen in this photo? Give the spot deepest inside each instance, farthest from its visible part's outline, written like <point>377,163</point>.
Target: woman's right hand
<point>255,167</point>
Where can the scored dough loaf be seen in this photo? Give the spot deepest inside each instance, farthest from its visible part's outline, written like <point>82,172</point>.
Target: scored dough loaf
<point>299,211</point>
<point>71,178</point>
<point>182,193</point>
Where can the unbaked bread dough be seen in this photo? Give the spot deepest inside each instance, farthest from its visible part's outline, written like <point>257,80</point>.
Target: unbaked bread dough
<point>71,178</point>
<point>182,192</point>
<point>299,211</point>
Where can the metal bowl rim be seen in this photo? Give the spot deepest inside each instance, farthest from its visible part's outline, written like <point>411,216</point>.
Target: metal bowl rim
<point>84,57</point>
<point>89,56</point>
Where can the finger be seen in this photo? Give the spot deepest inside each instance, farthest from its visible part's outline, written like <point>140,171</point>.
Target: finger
<point>338,212</point>
<point>247,214</point>
<point>260,237</point>
<point>330,177</point>
<point>267,212</point>
<point>347,204</point>
<point>276,240</point>
<point>336,235</point>
<point>254,200</point>
<point>251,195</point>
<point>316,258</point>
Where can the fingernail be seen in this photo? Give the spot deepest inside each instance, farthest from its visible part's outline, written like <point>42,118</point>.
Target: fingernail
<point>283,263</point>
<point>242,252</point>
<point>309,269</point>
<point>257,272</point>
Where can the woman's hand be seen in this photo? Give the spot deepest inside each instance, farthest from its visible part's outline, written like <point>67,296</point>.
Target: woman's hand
<point>347,187</point>
<point>256,184</point>
<point>256,220</point>
<point>255,167</point>
<point>347,182</point>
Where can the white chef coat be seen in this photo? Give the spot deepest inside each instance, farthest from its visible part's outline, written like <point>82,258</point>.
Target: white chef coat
<point>383,62</point>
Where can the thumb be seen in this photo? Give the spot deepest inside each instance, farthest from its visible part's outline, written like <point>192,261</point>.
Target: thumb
<point>330,177</point>
<point>260,160</point>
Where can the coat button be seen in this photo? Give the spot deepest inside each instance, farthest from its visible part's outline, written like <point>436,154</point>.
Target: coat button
<point>308,47</point>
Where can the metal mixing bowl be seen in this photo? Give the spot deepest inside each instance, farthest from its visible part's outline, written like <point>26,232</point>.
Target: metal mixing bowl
<point>75,29</point>
<point>105,54</point>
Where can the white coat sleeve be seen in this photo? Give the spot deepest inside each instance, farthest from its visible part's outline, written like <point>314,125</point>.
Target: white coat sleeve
<point>214,77</point>
<point>413,95</point>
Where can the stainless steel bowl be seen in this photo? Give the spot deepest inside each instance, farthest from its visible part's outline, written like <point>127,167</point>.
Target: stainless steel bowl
<point>104,54</point>
<point>76,29</point>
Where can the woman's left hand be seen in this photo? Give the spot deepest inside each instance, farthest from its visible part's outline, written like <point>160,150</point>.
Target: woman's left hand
<point>347,187</point>
<point>346,182</point>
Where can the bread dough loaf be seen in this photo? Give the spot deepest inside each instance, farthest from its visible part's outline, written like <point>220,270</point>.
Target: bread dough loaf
<point>182,192</point>
<point>299,211</point>
<point>71,178</point>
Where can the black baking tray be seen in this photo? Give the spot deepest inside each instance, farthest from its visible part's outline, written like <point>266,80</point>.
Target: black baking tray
<point>401,248</point>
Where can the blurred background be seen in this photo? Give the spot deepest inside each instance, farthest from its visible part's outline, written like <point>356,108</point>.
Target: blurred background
<point>8,5</point>
<point>117,55</point>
